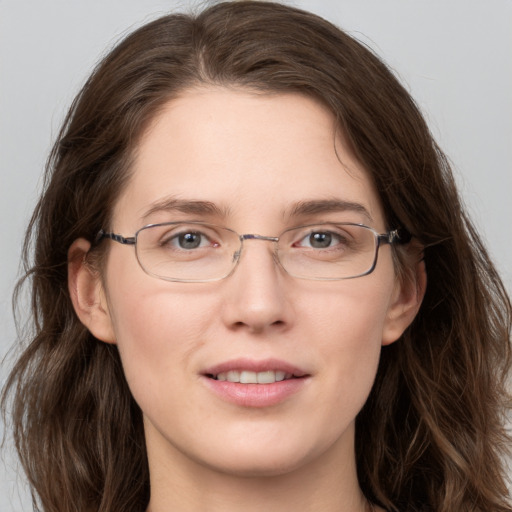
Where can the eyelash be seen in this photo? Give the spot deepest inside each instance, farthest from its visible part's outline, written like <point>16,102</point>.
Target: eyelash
<point>331,235</point>
<point>176,240</point>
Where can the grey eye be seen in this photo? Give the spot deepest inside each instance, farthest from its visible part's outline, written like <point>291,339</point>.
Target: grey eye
<point>320,240</point>
<point>189,240</point>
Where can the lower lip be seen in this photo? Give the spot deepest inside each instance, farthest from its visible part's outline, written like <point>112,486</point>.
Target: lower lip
<point>256,395</point>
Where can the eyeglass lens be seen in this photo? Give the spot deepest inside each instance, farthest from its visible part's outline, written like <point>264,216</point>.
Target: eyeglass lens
<point>205,252</point>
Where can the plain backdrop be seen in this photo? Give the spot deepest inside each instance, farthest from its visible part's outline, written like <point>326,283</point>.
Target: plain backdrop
<point>454,56</point>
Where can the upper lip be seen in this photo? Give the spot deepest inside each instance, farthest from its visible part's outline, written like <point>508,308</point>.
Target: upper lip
<point>253,365</point>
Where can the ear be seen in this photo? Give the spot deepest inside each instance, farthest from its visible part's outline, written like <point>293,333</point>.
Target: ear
<point>87,292</point>
<point>405,303</point>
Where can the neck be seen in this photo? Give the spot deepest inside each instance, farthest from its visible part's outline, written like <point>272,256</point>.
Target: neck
<point>326,484</point>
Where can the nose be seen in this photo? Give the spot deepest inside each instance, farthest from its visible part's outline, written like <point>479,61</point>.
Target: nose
<point>257,295</point>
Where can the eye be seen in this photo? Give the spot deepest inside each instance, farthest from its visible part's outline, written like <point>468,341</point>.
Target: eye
<point>320,240</point>
<point>187,240</point>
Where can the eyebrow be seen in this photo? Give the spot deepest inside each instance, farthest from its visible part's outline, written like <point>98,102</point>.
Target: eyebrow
<point>316,207</point>
<point>187,206</point>
<point>299,209</point>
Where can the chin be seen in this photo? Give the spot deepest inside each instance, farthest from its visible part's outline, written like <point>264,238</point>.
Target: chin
<point>264,468</point>
<point>269,459</point>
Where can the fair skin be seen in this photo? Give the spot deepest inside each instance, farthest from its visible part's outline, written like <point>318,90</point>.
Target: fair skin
<point>255,157</point>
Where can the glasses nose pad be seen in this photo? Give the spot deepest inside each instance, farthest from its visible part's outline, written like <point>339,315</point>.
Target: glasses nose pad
<point>275,254</point>
<point>236,256</point>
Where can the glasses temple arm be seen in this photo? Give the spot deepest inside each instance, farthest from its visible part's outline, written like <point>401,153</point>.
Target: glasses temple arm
<point>396,236</point>
<point>113,236</point>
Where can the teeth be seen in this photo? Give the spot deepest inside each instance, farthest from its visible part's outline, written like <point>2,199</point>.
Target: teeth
<point>233,376</point>
<point>282,375</point>
<point>248,377</point>
<point>266,377</point>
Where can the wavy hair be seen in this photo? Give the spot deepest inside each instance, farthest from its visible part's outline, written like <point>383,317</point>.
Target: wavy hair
<point>431,435</point>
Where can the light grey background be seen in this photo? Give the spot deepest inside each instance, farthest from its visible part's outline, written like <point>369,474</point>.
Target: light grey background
<point>455,56</point>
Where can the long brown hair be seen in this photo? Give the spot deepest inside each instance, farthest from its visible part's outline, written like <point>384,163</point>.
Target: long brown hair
<point>431,434</point>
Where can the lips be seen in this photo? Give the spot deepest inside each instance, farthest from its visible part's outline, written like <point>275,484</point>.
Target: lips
<point>251,383</point>
<point>249,371</point>
<point>249,377</point>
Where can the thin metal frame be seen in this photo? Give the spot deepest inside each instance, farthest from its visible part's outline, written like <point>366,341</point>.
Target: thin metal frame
<point>394,236</point>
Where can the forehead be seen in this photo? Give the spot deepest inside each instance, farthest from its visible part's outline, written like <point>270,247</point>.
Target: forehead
<point>254,157</point>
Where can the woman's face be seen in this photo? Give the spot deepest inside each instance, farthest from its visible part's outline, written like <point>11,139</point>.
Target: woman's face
<point>258,159</point>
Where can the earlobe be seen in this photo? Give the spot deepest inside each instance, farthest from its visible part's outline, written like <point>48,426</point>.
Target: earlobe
<point>405,303</point>
<point>87,293</point>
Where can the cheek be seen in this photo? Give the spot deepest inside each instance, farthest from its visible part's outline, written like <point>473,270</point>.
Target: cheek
<point>345,331</point>
<point>154,324</point>
<point>157,336</point>
<point>351,315</point>
<point>158,326</point>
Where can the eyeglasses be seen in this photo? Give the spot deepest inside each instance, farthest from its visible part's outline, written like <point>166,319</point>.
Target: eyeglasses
<point>198,252</point>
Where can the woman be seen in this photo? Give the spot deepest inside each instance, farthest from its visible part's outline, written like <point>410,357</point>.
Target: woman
<point>270,341</point>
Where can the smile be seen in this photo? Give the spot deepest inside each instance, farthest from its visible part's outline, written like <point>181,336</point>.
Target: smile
<point>250,377</point>
<point>253,383</point>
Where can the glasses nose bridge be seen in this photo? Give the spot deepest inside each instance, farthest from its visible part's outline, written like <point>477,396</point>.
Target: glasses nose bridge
<point>252,236</point>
